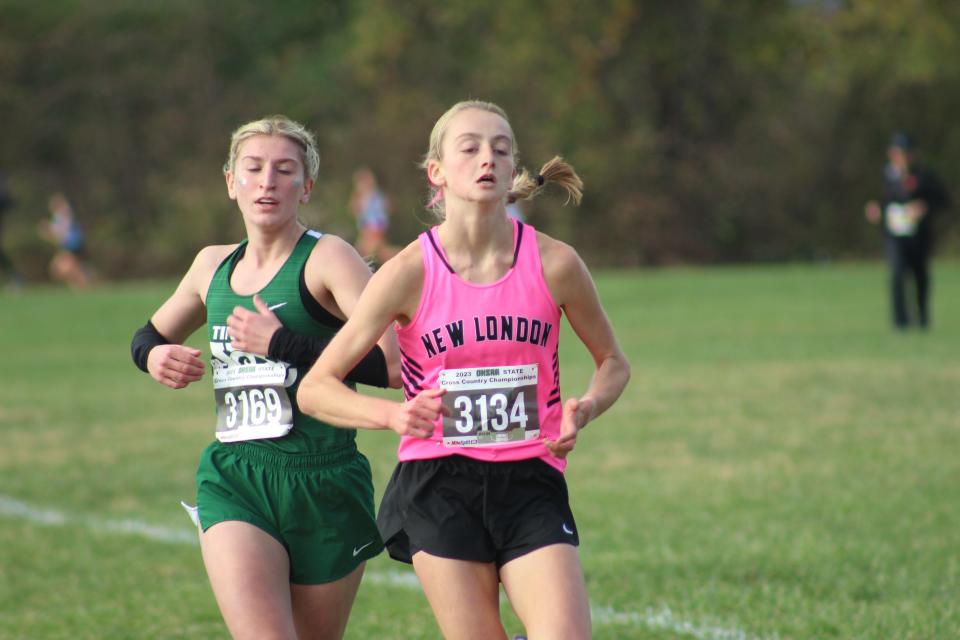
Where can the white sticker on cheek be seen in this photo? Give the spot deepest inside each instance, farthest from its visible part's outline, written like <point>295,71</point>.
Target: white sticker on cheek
<point>243,180</point>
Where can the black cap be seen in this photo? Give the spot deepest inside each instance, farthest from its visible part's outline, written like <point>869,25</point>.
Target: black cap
<point>902,140</point>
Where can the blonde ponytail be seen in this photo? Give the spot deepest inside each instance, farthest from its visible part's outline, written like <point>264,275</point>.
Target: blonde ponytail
<point>526,186</point>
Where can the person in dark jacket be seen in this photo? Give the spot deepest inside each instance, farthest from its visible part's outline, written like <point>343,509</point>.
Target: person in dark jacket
<point>913,197</point>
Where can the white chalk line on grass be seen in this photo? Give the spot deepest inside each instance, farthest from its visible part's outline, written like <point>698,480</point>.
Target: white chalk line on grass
<point>24,511</point>
<point>659,619</point>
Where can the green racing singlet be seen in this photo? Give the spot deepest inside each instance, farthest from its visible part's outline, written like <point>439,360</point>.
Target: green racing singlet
<point>255,395</point>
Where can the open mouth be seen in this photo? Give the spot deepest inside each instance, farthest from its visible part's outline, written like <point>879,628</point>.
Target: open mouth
<point>267,201</point>
<point>487,178</point>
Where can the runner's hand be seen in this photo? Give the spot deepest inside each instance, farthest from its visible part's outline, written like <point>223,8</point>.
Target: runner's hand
<point>251,331</point>
<point>576,415</point>
<point>418,416</point>
<point>175,365</point>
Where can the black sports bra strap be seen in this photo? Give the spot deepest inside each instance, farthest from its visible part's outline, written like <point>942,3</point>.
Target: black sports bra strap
<point>516,250</point>
<point>437,249</point>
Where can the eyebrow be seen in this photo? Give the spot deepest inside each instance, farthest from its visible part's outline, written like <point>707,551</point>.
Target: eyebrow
<point>280,161</point>
<point>496,138</point>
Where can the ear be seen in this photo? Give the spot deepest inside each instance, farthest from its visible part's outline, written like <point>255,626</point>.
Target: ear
<point>231,187</point>
<point>307,189</point>
<point>435,174</point>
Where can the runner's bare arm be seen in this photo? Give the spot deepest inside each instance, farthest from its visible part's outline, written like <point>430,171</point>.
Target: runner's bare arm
<point>573,289</point>
<point>345,275</point>
<point>176,365</point>
<point>392,293</point>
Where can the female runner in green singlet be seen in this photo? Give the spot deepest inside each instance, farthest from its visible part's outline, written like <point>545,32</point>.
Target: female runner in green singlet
<point>272,467</point>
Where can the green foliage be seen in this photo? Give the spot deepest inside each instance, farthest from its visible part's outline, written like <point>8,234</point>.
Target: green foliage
<point>705,130</point>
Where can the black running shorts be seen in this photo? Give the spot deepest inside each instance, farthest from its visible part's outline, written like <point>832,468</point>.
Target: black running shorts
<point>465,509</point>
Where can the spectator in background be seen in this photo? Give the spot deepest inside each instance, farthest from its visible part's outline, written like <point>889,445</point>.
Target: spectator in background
<point>912,198</point>
<point>6,264</point>
<point>372,211</point>
<point>63,230</point>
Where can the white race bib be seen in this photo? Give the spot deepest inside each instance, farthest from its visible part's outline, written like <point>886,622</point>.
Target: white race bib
<point>899,221</point>
<point>252,401</point>
<point>490,405</point>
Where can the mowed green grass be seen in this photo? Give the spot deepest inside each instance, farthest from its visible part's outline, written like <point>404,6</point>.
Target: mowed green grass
<point>782,465</point>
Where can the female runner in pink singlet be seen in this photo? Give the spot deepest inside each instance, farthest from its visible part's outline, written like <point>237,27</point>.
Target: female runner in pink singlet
<point>479,497</point>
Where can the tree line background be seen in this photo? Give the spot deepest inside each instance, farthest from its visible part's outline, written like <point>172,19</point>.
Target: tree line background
<point>706,131</point>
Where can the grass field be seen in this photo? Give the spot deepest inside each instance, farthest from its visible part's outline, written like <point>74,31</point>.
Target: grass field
<point>782,465</point>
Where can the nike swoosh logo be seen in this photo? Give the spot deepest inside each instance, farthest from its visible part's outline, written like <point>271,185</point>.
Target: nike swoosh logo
<point>276,306</point>
<point>566,529</point>
<point>357,550</point>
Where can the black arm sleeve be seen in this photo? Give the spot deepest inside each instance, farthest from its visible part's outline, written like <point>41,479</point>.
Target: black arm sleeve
<point>303,351</point>
<point>146,338</point>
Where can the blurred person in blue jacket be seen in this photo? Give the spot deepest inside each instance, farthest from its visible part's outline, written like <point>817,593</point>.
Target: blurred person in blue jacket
<point>62,229</point>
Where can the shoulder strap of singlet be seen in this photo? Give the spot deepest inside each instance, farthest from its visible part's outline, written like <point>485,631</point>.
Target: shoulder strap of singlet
<point>516,249</point>
<point>225,268</point>
<point>436,248</point>
<point>316,310</point>
<point>233,256</point>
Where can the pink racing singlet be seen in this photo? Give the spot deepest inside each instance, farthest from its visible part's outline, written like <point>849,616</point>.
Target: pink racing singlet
<point>493,347</point>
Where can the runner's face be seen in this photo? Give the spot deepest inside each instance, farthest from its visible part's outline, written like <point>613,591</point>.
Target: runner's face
<point>267,180</point>
<point>477,163</point>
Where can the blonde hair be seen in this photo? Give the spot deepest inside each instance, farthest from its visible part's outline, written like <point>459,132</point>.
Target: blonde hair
<point>277,126</point>
<point>525,186</point>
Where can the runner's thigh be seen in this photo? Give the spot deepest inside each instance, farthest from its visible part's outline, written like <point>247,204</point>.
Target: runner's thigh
<point>548,593</point>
